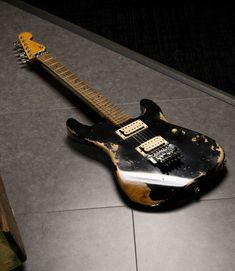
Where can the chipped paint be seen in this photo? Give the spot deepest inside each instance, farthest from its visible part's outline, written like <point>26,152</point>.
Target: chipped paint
<point>162,117</point>
<point>221,156</point>
<point>111,152</point>
<point>137,192</point>
<point>71,132</point>
<point>114,147</point>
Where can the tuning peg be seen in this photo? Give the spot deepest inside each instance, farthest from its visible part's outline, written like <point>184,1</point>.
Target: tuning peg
<point>22,61</point>
<point>16,43</point>
<point>18,49</point>
<point>17,46</point>
<point>22,58</point>
<point>23,54</point>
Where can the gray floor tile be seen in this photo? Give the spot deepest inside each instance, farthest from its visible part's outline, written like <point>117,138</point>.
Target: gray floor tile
<point>100,239</point>
<point>44,171</point>
<point>199,237</point>
<point>121,79</point>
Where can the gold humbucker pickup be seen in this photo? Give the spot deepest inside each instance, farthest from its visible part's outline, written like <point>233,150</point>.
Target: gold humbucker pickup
<point>153,143</point>
<point>131,129</point>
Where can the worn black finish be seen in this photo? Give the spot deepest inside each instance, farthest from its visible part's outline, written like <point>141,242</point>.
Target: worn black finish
<point>201,156</point>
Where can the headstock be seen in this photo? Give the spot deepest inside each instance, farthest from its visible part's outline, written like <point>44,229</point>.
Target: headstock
<point>28,50</point>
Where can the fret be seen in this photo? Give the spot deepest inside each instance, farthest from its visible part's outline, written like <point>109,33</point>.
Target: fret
<point>104,102</point>
<point>59,69</point>
<point>91,94</point>
<point>51,61</point>
<point>99,102</point>
<point>79,86</point>
<point>66,74</point>
<point>59,66</point>
<point>62,71</point>
<point>77,82</point>
<point>55,65</point>
<point>71,77</point>
<point>108,106</point>
<point>47,59</point>
<point>44,57</point>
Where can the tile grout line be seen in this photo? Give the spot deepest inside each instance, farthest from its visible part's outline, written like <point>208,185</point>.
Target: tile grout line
<point>71,210</point>
<point>229,198</point>
<point>134,237</point>
<point>119,104</point>
<point>108,207</point>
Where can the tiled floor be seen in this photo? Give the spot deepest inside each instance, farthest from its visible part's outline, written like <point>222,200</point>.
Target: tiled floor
<point>67,206</point>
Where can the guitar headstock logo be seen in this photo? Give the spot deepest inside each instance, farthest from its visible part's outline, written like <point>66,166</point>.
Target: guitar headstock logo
<point>27,49</point>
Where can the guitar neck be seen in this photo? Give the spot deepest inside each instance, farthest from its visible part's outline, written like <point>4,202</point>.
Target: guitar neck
<point>104,107</point>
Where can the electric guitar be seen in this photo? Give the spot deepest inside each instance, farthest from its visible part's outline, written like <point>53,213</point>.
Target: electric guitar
<point>155,162</point>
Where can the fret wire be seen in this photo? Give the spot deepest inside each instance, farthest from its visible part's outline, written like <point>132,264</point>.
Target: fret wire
<point>67,73</point>
<point>103,101</point>
<point>47,59</point>
<point>114,114</point>
<point>80,88</point>
<point>61,67</point>
<point>79,82</point>
<point>84,91</point>
<point>63,71</point>
<point>65,78</point>
<point>46,56</point>
<point>51,65</point>
<point>123,115</point>
<point>51,61</point>
<point>54,67</point>
<point>90,94</point>
<point>110,106</point>
<point>72,76</point>
<point>120,120</point>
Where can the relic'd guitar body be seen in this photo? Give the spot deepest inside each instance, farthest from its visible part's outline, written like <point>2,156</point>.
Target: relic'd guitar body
<point>155,161</point>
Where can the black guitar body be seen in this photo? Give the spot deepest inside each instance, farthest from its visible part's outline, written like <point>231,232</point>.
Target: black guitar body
<point>142,181</point>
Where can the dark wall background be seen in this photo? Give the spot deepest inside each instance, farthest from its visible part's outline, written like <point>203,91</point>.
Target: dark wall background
<point>195,38</point>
